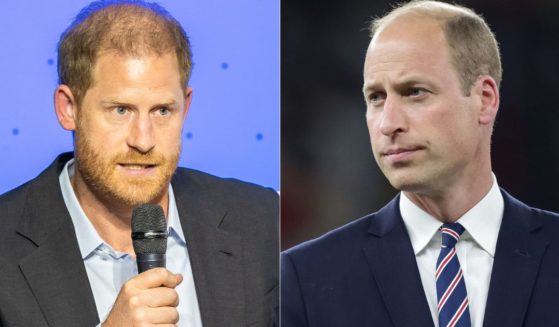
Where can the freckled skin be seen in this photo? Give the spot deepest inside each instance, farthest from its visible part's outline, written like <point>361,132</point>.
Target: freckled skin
<point>133,114</point>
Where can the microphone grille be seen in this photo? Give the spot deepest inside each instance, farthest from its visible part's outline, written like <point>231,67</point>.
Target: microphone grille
<point>149,229</point>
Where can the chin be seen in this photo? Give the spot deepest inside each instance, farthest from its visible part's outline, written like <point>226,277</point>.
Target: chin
<point>137,197</point>
<point>407,183</point>
<point>136,192</point>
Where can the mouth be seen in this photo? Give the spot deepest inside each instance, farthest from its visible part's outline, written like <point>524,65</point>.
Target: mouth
<point>137,168</point>
<point>396,155</point>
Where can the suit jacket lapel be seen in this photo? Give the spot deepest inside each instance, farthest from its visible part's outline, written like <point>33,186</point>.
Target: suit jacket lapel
<point>54,270</point>
<point>391,258</point>
<point>215,255</point>
<point>517,261</point>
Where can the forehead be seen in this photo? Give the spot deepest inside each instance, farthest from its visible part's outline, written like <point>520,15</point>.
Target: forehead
<point>407,44</point>
<point>111,67</point>
<point>142,81</point>
<point>115,59</point>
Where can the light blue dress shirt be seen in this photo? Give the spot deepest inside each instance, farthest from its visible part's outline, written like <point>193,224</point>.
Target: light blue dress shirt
<point>107,269</point>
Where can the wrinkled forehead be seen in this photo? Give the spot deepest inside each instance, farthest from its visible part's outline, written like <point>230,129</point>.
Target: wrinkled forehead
<point>408,38</point>
<point>112,62</point>
<point>407,51</point>
<point>411,27</point>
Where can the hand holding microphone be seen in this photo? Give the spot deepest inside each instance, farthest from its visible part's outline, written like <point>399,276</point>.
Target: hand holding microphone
<point>150,297</point>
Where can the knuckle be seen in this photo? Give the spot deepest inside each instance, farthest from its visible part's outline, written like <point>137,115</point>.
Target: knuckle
<point>138,316</point>
<point>126,288</point>
<point>134,301</point>
<point>175,316</point>
<point>175,298</point>
<point>161,273</point>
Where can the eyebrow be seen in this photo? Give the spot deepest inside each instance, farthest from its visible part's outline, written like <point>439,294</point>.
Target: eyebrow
<point>110,102</point>
<point>402,84</point>
<point>369,87</point>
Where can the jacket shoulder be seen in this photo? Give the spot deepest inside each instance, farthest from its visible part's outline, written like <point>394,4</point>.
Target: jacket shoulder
<point>247,207</point>
<point>529,216</point>
<point>223,190</point>
<point>354,234</point>
<point>12,204</point>
<point>38,189</point>
<point>336,243</point>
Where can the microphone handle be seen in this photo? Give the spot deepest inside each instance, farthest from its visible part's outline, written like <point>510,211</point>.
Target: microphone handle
<point>147,261</point>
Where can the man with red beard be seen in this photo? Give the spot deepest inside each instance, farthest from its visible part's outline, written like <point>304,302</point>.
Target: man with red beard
<point>124,68</point>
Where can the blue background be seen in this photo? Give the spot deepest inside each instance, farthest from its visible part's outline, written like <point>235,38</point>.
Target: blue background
<point>232,129</point>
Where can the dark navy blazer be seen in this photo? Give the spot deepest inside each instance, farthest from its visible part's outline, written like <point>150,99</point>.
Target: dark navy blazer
<point>365,274</point>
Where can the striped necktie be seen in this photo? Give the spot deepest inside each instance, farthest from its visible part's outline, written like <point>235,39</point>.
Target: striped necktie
<point>451,288</point>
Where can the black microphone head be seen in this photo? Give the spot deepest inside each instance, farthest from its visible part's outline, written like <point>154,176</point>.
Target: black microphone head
<point>149,229</point>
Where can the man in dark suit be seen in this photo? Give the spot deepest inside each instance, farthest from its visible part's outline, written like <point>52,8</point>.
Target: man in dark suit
<point>452,249</point>
<point>67,256</point>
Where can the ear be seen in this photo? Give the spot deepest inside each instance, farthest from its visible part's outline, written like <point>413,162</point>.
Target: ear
<point>489,95</point>
<point>65,107</point>
<point>187,100</point>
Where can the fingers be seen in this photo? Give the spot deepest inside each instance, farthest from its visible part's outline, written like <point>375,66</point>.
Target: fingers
<point>155,278</point>
<point>147,299</point>
<point>160,297</point>
<point>161,315</point>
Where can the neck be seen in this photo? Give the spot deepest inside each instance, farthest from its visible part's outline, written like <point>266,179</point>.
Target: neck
<point>110,218</point>
<point>455,200</point>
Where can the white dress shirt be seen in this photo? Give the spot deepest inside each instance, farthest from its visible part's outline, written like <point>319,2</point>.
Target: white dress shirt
<point>475,249</point>
<point>108,269</point>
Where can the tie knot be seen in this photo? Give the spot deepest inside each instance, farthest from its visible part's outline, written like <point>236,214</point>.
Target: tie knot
<point>451,234</point>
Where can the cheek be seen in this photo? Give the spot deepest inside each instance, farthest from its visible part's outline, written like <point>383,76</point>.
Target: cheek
<point>372,123</point>
<point>458,130</point>
<point>99,128</point>
<point>113,137</point>
<point>169,138</point>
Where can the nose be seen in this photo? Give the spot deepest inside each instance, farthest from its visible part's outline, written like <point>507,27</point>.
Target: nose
<point>141,136</point>
<point>393,117</point>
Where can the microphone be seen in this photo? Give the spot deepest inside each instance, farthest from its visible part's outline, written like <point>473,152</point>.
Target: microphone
<point>149,236</point>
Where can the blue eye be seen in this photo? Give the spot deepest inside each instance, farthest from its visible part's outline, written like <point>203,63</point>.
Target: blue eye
<point>376,97</point>
<point>415,92</point>
<point>120,110</point>
<point>164,111</point>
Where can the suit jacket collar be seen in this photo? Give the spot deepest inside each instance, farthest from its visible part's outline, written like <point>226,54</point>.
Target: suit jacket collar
<point>517,261</point>
<point>54,271</point>
<point>215,254</point>
<point>56,274</point>
<point>392,261</point>
<point>518,256</point>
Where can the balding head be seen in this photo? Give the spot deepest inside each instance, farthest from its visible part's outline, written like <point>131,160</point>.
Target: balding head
<point>129,28</point>
<point>472,46</point>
